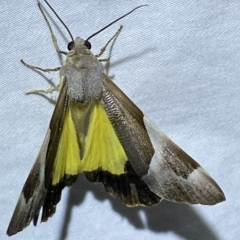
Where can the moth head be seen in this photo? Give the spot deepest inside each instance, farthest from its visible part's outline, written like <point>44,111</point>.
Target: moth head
<point>79,45</point>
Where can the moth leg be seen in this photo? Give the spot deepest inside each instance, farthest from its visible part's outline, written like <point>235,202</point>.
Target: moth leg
<point>48,90</point>
<point>41,69</point>
<point>104,60</point>
<point>54,39</point>
<point>104,48</point>
<point>40,91</point>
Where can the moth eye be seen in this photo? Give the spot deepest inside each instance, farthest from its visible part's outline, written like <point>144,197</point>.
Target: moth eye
<point>87,44</point>
<point>71,45</point>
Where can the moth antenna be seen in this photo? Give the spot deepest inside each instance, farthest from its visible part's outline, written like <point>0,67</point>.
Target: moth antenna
<point>59,19</point>
<point>115,21</point>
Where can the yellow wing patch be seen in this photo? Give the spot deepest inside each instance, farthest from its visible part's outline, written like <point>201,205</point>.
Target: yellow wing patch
<point>102,148</point>
<point>67,160</point>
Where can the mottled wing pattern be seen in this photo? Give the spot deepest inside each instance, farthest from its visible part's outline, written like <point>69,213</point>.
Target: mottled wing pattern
<point>37,191</point>
<point>171,173</point>
<point>175,176</point>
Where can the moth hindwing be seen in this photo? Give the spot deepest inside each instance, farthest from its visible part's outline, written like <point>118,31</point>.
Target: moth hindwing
<point>97,130</point>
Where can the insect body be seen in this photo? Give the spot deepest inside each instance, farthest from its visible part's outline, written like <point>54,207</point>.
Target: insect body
<point>97,130</point>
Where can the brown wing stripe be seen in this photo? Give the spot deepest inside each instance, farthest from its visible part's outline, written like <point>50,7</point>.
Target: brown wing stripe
<point>120,185</point>
<point>54,196</point>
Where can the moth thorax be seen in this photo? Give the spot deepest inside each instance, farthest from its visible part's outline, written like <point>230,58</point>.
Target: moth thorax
<point>84,93</point>
<point>84,86</point>
<point>84,79</point>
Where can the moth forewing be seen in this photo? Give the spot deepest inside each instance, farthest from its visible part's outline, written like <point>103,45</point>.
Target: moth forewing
<point>127,120</point>
<point>33,193</point>
<point>171,173</point>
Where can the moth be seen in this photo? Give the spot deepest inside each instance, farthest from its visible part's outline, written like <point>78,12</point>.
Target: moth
<point>97,130</point>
